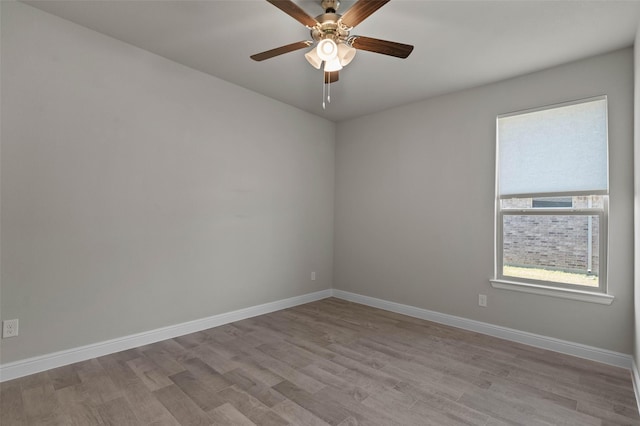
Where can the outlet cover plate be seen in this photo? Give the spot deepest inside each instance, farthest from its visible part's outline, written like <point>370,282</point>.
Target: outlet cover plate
<point>482,300</point>
<point>9,328</point>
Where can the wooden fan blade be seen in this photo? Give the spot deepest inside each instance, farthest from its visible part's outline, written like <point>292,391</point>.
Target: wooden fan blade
<point>384,47</point>
<point>281,50</point>
<point>293,10</point>
<point>331,77</point>
<point>361,11</point>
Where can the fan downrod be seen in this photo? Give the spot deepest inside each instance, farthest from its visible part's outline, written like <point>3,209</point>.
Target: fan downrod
<point>330,6</point>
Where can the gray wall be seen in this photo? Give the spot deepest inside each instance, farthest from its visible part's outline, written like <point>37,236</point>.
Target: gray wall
<point>414,217</point>
<point>138,193</point>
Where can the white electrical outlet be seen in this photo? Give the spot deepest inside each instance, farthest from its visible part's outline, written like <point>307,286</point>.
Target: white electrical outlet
<point>9,328</point>
<point>482,300</point>
<point>313,276</point>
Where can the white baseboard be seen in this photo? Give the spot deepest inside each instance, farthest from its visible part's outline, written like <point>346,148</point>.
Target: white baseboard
<point>635,378</point>
<point>37,364</point>
<point>570,348</point>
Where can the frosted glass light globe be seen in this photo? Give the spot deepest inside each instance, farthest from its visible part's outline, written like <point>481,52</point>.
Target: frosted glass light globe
<point>327,49</point>
<point>333,65</point>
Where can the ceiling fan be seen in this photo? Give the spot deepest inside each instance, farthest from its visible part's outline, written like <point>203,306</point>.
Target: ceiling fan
<point>330,31</point>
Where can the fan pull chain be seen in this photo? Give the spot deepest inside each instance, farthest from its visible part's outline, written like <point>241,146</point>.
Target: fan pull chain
<point>323,90</point>
<point>326,89</point>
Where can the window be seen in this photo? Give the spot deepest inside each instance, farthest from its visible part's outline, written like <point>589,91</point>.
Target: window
<point>552,197</point>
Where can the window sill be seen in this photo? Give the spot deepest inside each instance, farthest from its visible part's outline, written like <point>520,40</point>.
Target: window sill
<point>583,296</point>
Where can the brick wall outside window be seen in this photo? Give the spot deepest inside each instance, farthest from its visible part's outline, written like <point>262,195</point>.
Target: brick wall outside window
<point>552,242</point>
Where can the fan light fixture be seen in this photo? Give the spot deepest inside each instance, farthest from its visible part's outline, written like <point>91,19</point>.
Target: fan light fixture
<point>346,54</point>
<point>313,58</point>
<point>335,47</point>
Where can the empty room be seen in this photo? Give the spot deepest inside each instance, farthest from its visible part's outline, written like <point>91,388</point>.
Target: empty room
<point>319,212</point>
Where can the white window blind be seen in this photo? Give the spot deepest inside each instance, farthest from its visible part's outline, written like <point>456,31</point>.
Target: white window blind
<point>557,150</point>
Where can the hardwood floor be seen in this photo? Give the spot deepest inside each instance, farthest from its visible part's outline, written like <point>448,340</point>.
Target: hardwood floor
<point>328,362</point>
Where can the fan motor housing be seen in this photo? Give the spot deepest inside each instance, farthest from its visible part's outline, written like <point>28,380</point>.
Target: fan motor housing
<point>329,26</point>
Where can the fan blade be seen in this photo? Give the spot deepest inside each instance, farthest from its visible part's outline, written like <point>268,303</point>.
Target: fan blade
<point>375,45</point>
<point>281,50</point>
<point>293,10</point>
<point>361,11</point>
<point>331,77</point>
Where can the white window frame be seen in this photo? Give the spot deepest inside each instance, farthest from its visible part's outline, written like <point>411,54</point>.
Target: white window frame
<point>550,288</point>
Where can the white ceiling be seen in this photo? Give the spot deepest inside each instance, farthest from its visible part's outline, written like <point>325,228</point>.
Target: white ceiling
<point>458,44</point>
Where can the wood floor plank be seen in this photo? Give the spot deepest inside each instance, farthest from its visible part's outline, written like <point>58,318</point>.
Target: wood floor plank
<point>64,376</point>
<point>183,408</point>
<point>119,371</point>
<point>146,406</point>
<point>564,386</point>
<point>426,390</point>
<point>207,375</point>
<point>225,333</point>
<point>270,418</point>
<point>100,387</point>
<point>328,411</point>
<point>618,415</point>
<point>254,387</point>
<point>365,372</point>
<point>281,352</point>
<point>76,402</point>
<point>361,356</point>
<point>211,357</point>
<point>227,414</point>
<point>285,371</point>
<point>365,415</point>
<point>41,406</point>
<point>190,341</point>
<point>296,415</point>
<point>199,392</point>
<point>339,382</point>
<point>12,411</point>
<point>149,373</point>
<point>165,360</point>
<point>522,390</point>
<point>329,362</point>
<point>250,407</point>
<point>258,371</point>
<point>505,410</point>
<point>170,421</point>
<point>312,347</point>
<point>430,379</point>
<point>349,421</point>
<point>117,412</point>
<point>389,397</point>
<point>449,409</point>
<point>463,372</point>
<point>35,380</point>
